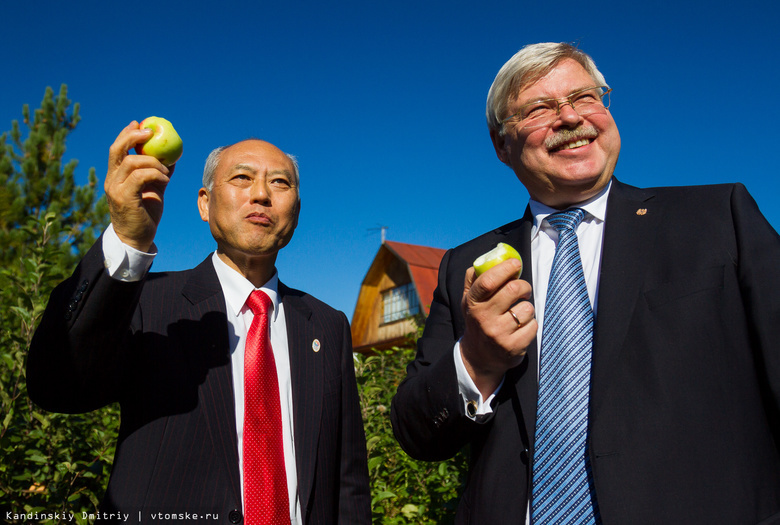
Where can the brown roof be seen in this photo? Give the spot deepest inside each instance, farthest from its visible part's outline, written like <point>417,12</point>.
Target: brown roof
<point>423,263</point>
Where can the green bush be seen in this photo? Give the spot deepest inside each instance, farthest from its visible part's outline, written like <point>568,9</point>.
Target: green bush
<point>54,465</point>
<point>403,490</point>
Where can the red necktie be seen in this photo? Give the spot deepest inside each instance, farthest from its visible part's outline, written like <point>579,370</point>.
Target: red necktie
<point>265,480</point>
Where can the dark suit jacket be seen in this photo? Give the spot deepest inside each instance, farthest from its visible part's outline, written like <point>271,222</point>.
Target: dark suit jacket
<point>685,375</point>
<point>160,348</point>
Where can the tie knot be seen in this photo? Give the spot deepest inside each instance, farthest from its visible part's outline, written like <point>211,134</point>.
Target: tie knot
<point>259,302</point>
<point>566,220</point>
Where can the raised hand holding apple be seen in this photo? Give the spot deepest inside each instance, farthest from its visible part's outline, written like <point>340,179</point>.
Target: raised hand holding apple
<point>499,319</point>
<point>135,185</point>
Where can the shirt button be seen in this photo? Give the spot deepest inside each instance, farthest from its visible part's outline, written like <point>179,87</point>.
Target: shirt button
<point>235,517</point>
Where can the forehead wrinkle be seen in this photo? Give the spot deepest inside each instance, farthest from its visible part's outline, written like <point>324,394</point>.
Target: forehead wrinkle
<point>247,167</point>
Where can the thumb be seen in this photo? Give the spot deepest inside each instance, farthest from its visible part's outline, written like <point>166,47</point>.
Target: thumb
<point>471,275</point>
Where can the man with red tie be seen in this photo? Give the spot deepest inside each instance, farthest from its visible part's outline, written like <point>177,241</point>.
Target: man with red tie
<point>237,394</point>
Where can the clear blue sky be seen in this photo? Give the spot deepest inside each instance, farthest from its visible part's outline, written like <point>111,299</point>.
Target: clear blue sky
<point>383,104</point>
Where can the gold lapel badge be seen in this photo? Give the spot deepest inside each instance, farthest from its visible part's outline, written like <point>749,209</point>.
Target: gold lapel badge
<point>315,345</point>
<point>641,211</point>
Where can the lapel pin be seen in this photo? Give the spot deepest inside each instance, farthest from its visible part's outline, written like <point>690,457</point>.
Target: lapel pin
<point>641,211</point>
<point>315,345</point>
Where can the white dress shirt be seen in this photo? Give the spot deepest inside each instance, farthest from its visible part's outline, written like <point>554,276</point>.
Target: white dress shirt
<point>127,264</point>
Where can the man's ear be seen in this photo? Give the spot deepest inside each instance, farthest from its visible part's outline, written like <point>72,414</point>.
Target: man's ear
<point>499,144</point>
<point>297,212</point>
<point>203,204</point>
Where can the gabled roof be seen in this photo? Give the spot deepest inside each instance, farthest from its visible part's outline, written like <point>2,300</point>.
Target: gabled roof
<point>423,263</point>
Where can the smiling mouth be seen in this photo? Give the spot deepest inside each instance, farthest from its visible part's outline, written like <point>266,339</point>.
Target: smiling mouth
<point>572,145</point>
<point>571,139</point>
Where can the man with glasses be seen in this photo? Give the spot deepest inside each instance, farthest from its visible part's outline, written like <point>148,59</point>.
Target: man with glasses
<point>631,373</point>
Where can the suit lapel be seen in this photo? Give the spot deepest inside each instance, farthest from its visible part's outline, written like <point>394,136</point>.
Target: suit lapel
<point>210,334</point>
<point>632,216</point>
<point>307,385</point>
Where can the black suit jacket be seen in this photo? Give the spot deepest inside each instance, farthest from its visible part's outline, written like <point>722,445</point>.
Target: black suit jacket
<point>160,348</point>
<point>685,382</point>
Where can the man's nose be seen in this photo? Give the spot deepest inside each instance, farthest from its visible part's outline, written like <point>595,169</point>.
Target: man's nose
<point>260,192</point>
<point>567,115</point>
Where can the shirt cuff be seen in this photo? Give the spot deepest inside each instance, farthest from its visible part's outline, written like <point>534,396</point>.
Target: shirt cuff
<point>474,405</point>
<point>123,262</point>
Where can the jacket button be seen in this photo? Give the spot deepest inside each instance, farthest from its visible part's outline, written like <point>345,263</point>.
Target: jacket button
<point>235,517</point>
<point>524,456</point>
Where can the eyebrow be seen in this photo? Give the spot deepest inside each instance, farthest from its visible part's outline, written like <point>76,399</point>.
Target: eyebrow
<point>539,99</point>
<point>244,167</point>
<point>255,171</point>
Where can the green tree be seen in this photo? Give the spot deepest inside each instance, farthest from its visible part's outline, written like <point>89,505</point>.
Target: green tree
<point>403,490</point>
<point>52,463</point>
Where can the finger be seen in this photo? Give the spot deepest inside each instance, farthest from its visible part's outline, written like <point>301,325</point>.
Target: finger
<point>522,313</point>
<point>517,319</point>
<point>129,189</point>
<point>130,176</point>
<point>520,338</point>
<point>471,274</point>
<point>507,295</point>
<point>127,139</point>
<point>144,180</point>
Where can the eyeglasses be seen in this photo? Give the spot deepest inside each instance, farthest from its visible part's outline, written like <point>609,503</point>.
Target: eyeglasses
<point>541,113</point>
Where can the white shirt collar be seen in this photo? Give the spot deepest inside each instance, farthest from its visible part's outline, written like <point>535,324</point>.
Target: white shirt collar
<point>595,208</point>
<point>237,288</point>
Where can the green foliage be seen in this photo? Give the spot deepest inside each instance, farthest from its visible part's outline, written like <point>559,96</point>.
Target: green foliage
<point>51,463</point>
<point>403,490</point>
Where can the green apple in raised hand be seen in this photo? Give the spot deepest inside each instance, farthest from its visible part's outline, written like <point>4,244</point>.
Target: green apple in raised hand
<point>165,144</point>
<point>499,254</point>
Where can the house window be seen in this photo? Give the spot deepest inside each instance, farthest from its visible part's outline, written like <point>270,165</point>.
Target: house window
<point>399,303</point>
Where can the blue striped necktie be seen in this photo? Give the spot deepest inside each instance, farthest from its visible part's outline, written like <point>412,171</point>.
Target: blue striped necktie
<point>561,493</point>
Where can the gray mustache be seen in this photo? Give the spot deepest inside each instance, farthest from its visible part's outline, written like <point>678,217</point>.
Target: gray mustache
<point>570,135</point>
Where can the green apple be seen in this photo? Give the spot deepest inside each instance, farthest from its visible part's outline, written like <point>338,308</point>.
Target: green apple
<point>165,144</point>
<point>499,254</point>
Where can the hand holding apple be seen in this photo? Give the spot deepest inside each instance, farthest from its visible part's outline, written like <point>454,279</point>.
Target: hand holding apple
<point>165,144</point>
<point>499,317</point>
<point>497,255</point>
<point>135,187</point>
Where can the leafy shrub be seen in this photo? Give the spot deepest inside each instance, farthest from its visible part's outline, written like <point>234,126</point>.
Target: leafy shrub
<point>403,490</point>
<point>54,465</point>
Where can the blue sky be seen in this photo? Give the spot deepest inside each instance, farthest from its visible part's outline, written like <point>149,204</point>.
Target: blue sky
<point>383,104</point>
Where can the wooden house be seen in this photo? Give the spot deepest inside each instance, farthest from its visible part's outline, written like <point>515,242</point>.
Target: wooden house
<point>399,285</point>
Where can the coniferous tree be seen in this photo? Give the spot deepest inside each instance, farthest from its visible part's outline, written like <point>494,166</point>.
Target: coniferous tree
<point>53,466</point>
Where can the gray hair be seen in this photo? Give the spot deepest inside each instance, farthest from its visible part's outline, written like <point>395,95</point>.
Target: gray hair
<point>526,67</point>
<point>212,161</point>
